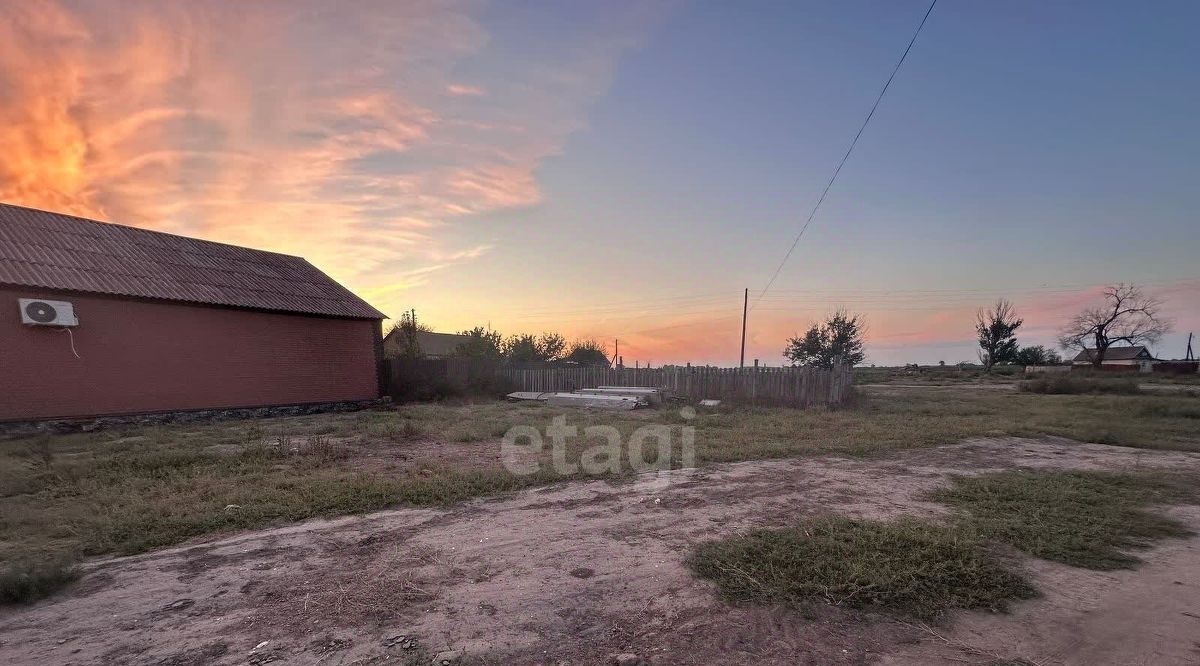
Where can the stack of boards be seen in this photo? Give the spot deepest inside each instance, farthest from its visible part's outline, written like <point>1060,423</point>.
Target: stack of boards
<point>603,397</point>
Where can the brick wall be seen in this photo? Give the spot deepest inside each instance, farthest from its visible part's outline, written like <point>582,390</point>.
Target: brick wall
<point>146,356</point>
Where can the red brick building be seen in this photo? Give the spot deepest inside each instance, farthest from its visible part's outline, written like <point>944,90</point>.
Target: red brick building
<point>155,322</point>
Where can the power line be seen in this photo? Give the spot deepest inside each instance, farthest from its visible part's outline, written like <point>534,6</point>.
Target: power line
<point>845,157</point>
<point>708,302</point>
<point>627,305</point>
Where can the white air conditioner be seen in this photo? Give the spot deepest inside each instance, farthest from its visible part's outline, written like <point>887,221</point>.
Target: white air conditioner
<point>47,313</point>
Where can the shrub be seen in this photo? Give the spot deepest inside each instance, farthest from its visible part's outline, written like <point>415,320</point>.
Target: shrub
<point>1068,385</point>
<point>26,581</point>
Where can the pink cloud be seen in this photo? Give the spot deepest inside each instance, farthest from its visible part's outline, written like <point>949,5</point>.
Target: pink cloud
<point>301,127</point>
<point>461,90</point>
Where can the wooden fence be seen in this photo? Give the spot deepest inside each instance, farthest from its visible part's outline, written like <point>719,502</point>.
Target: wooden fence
<point>408,379</point>
<point>793,387</point>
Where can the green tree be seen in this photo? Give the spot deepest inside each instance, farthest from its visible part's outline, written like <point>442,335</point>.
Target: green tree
<point>552,346</point>
<point>1037,355</point>
<point>482,343</point>
<point>839,338</point>
<point>809,349</point>
<point>521,348</point>
<point>405,334</point>
<point>997,328</point>
<point>527,348</point>
<point>588,352</point>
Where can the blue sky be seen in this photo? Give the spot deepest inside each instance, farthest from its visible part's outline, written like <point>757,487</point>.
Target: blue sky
<point>1022,145</point>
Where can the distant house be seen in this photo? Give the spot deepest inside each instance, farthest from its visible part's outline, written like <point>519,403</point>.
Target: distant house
<point>1132,358</point>
<point>432,345</point>
<point>103,319</point>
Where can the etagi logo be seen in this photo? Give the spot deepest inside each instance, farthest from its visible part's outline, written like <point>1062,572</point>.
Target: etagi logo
<point>650,449</point>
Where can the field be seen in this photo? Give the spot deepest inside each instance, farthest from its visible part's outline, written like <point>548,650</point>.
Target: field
<point>1002,375</point>
<point>213,513</point>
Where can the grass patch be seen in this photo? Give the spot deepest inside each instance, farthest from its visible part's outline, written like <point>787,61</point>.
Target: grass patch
<point>1170,410</point>
<point>1085,519</point>
<point>27,581</point>
<point>910,568</point>
<point>1068,385</point>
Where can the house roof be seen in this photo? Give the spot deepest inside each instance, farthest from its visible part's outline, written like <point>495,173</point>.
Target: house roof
<point>440,344</point>
<point>434,344</point>
<point>54,251</point>
<point>1116,354</point>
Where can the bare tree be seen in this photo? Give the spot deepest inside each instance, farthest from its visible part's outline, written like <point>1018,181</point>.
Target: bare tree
<point>1127,315</point>
<point>997,328</point>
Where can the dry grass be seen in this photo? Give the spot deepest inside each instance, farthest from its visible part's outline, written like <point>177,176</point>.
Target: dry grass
<point>909,567</point>
<point>129,491</point>
<point>922,569</point>
<point>935,374</point>
<point>1085,519</point>
<point>1073,385</point>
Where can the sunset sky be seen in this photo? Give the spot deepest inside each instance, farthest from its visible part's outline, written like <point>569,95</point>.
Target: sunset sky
<point>624,169</point>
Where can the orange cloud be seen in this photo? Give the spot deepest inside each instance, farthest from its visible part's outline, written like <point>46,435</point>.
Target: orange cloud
<point>305,127</point>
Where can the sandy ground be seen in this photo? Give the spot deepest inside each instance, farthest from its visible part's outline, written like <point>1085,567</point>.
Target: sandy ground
<point>578,572</point>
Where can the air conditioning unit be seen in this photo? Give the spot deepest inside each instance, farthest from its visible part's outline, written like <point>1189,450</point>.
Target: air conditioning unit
<point>37,312</point>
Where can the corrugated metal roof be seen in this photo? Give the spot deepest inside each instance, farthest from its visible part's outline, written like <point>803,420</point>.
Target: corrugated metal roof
<point>431,344</point>
<point>53,251</point>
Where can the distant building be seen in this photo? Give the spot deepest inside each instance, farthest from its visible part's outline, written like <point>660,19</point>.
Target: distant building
<point>1133,358</point>
<point>103,319</point>
<point>432,345</point>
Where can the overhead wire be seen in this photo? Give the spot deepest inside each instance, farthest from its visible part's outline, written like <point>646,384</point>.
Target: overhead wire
<point>813,213</point>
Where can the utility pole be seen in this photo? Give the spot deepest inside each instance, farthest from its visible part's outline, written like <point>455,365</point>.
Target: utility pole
<point>745,306</point>
<point>616,350</point>
<point>1190,356</point>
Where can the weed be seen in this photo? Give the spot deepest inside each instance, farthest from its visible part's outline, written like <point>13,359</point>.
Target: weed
<point>410,430</point>
<point>466,436</point>
<point>322,448</point>
<point>44,452</point>
<point>407,431</point>
<point>1085,519</point>
<point>909,567</point>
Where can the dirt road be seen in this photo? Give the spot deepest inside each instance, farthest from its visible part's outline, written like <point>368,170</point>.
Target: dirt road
<point>578,572</point>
